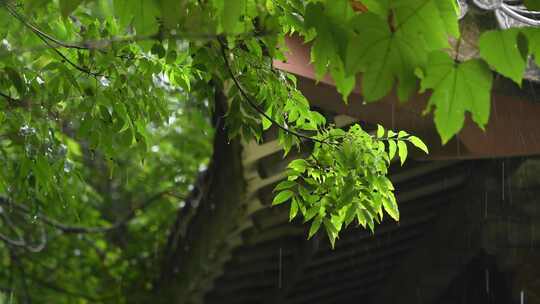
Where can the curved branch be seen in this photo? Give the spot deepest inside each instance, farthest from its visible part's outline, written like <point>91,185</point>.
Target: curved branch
<point>46,39</point>
<point>21,242</point>
<point>254,105</point>
<point>68,229</point>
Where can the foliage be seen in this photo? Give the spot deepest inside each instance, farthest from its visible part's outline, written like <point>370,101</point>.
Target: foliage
<point>106,120</point>
<point>345,179</point>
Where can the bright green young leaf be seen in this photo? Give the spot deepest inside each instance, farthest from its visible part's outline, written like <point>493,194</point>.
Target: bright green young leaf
<point>282,197</point>
<point>500,49</point>
<point>391,148</point>
<point>457,88</point>
<point>402,151</point>
<point>331,231</point>
<point>402,134</point>
<point>315,225</point>
<point>380,131</point>
<point>390,206</point>
<point>294,210</point>
<point>286,184</point>
<point>417,142</point>
<point>298,165</point>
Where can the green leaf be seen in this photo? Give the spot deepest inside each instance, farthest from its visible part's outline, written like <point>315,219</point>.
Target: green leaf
<point>533,37</point>
<point>171,12</point>
<point>402,134</point>
<point>311,212</point>
<point>500,49</point>
<point>331,231</point>
<point>350,214</point>
<point>146,16</point>
<point>434,20</point>
<point>286,184</point>
<point>68,6</point>
<point>391,207</point>
<point>417,142</point>
<point>16,79</point>
<point>376,6</point>
<point>402,151</point>
<point>298,165</point>
<point>533,5</point>
<point>327,51</point>
<point>391,148</point>
<point>315,225</point>
<point>282,197</point>
<point>232,10</point>
<point>294,210</point>
<point>380,131</point>
<point>457,88</point>
<point>382,56</point>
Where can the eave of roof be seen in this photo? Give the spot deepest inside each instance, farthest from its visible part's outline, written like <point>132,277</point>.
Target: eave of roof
<point>511,130</point>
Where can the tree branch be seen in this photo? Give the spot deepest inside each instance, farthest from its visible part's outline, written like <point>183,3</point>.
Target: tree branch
<point>254,105</point>
<point>45,38</point>
<point>20,241</point>
<point>68,229</point>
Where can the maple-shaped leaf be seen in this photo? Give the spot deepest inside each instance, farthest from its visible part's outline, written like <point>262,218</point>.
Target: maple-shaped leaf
<point>383,56</point>
<point>533,38</point>
<point>329,46</point>
<point>457,88</point>
<point>500,49</point>
<point>143,15</point>
<point>434,20</point>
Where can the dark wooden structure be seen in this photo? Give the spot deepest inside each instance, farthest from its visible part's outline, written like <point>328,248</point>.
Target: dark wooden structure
<point>470,215</point>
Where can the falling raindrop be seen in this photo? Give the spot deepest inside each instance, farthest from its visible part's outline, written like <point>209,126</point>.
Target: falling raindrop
<point>280,265</point>
<point>532,235</point>
<point>502,181</point>
<point>62,150</point>
<point>486,205</point>
<point>393,112</point>
<point>5,44</point>
<point>68,166</point>
<point>104,81</point>
<point>487,282</point>
<point>26,130</point>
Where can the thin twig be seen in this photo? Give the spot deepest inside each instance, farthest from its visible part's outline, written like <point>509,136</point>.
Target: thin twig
<point>20,241</point>
<point>101,44</point>
<point>68,229</point>
<point>254,105</point>
<point>8,98</point>
<point>45,38</point>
